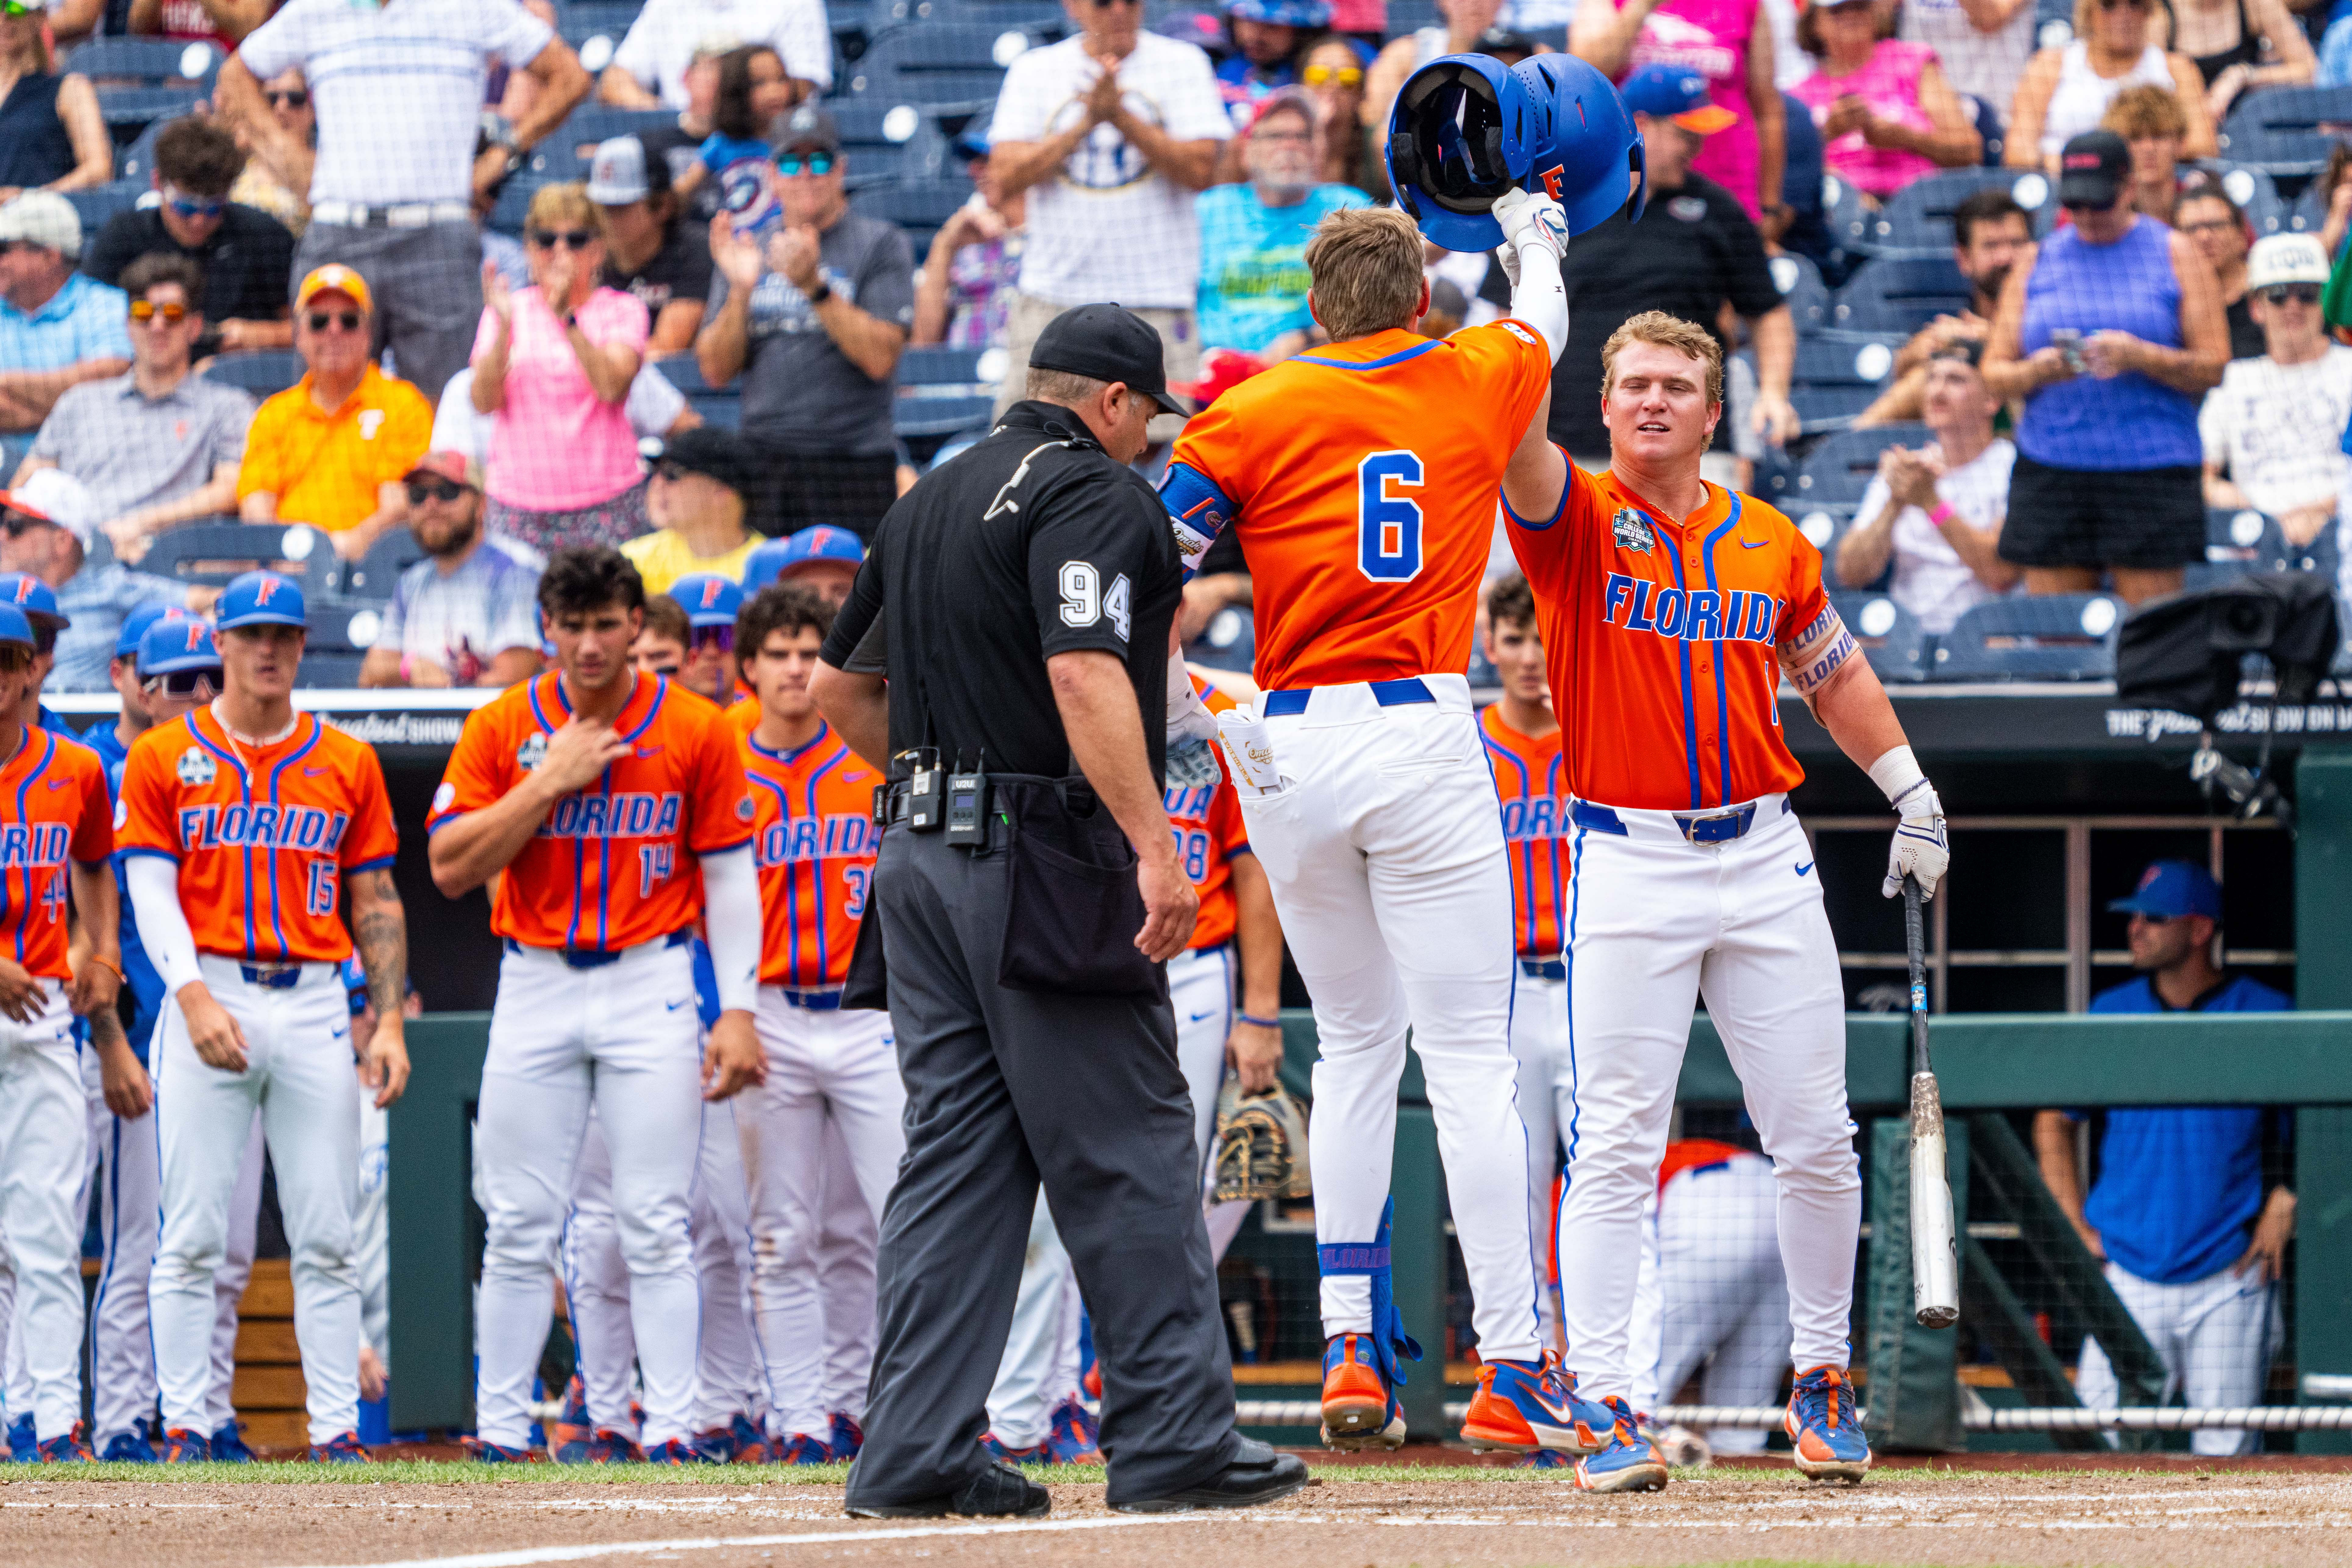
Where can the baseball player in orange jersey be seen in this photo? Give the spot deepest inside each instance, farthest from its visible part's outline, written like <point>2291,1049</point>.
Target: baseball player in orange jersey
<point>815,841</point>
<point>1368,528</point>
<point>55,843</point>
<point>1669,610</point>
<point>1523,749</point>
<point>246,825</point>
<point>611,807</point>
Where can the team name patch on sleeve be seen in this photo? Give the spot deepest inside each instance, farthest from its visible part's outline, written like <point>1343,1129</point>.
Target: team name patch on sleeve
<point>1633,531</point>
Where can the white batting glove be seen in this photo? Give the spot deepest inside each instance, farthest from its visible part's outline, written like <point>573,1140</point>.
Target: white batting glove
<point>1920,848</point>
<point>1529,219</point>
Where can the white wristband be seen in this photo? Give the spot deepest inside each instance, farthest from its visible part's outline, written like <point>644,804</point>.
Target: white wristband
<point>1898,777</point>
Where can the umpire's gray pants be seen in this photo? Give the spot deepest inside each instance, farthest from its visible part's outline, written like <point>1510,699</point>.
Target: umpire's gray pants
<point>428,284</point>
<point>1004,1088</point>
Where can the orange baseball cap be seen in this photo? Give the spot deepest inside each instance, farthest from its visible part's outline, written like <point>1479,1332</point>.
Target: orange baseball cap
<point>334,278</point>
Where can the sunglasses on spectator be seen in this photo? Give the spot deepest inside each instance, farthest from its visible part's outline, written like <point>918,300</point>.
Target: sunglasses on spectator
<point>2280,293</point>
<point>200,684</point>
<point>2125,4</point>
<point>707,638</point>
<point>815,164</point>
<point>347,320</point>
<point>1327,76</point>
<point>1107,5</point>
<point>173,311</point>
<point>15,524</point>
<point>673,472</point>
<point>421,491</point>
<point>287,98</point>
<point>189,206</point>
<point>570,238</point>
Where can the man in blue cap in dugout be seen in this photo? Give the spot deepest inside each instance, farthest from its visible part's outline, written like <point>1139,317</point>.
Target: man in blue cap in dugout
<point>2178,1214</point>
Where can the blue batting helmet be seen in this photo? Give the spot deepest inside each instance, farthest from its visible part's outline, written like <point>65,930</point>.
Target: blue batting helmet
<point>1588,154</point>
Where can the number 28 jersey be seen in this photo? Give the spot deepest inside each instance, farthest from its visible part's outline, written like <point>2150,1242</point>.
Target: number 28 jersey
<point>1363,477</point>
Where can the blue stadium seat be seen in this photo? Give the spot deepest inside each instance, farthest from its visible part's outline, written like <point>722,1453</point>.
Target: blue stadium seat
<point>1892,638</point>
<point>685,372</point>
<point>1802,290</point>
<point>921,419</point>
<point>130,111</point>
<point>1230,642</point>
<point>724,409</point>
<point>578,22</point>
<point>213,552</point>
<point>1839,374</point>
<point>2244,535</point>
<point>2054,24</point>
<point>1823,523</point>
<point>889,141</point>
<point>938,366</point>
<point>12,451</point>
<point>1042,17</point>
<point>151,62</point>
<point>1409,15</point>
<point>137,161</point>
<point>937,63</point>
<point>1848,219</point>
<point>1919,215</point>
<point>1775,478</point>
<point>1839,470</point>
<point>2280,129</point>
<point>1990,131</point>
<point>942,393</point>
<point>374,575</point>
<point>2201,574</point>
<point>1900,294</point>
<point>565,155</point>
<point>263,373</point>
<point>323,671</point>
<point>919,206</point>
<point>514,203</point>
<point>98,204</point>
<point>2257,195</point>
<point>2057,636</point>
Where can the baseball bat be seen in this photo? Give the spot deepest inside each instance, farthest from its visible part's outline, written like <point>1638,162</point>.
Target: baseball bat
<point>1935,1248</point>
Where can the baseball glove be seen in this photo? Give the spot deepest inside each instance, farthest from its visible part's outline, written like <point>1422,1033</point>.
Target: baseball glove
<point>1261,1145</point>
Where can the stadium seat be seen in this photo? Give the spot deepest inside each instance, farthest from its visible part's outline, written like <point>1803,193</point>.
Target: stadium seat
<point>130,111</point>
<point>578,23</point>
<point>683,372</point>
<point>514,203</point>
<point>938,366</point>
<point>941,392</point>
<point>264,373</point>
<point>2057,636</point>
<point>2243,534</point>
<point>1848,219</point>
<point>1230,642</point>
<point>1900,294</point>
<point>12,451</point>
<point>1839,470</point>
<point>2257,195</point>
<point>2201,574</point>
<point>1839,374</point>
<point>937,62</point>
<point>1897,647</point>
<point>373,575</point>
<point>2054,24</point>
<point>1802,290</point>
<point>1406,17</point>
<point>149,62</point>
<point>888,142</point>
<point>137,161</point>
<point>1823,523</point>
<point>565,155</point>
<point>2282,128</point>
<point>1919,215</point>
<point>720,405</point>
<point>919,206</point>
<point>213,552</point>
<point>1042,17</point>
<point>98,204</point>
<point>323,671</point>
<point>1775,477</point>
<point>1991,132</point>
<point>724,409</point>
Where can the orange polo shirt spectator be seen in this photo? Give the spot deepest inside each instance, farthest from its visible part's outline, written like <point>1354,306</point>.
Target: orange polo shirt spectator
<point>334,450</point>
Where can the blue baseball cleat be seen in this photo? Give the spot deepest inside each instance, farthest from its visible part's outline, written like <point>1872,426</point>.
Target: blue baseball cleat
<point>69,1449</point>
<point>611,1448</point>
<point>1073,1439</point>
<point>1523,1407</point>
<point>1628,1464</point>
<point>570,1433</point>
<point>1035,1454</point>
<point>489,1453</point>
<point>182,1447</point>
<point>1546,1459</point>
<point>22,1446</point>
<point>1824,1428</point>
<point>800,1448</point>
<point>846,1437</point>
<point>674,1452</point>
<point>343,1448</point>
<point>128,1449</point>
<point>228,1444</point>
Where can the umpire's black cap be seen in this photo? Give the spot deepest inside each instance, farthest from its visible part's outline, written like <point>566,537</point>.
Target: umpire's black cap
<point>1108,343</point>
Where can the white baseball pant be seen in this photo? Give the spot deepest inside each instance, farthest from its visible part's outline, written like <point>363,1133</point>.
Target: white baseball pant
<point>1540,1045</point>
<point>233,1276</point>
<point>44,1146</point>
<point>848,1235</point>
<point>1723,1295</point>
<point>596,1288</point>
<point>1385,853</point>
<point>125,1170</point>
<point>298,1077</point>
<point>1654,923</point>
<point>1039,1368</point>
<point>371,1228</point>
<point>1202,985</point>
<point>2217,1337</point>
<point>619,1036</point>
<point>825,1064</point>
<point>729,1368</point>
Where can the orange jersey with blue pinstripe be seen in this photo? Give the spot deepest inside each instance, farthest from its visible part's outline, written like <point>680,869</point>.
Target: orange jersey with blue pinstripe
<point>616,864</point>
<point>264,834</point>
<point>1207,822</point>
<point>1663,642</point>
<point>53,809</point>
<point>1528,780</point>
<point>815,838</point>
<point>1362,478</point>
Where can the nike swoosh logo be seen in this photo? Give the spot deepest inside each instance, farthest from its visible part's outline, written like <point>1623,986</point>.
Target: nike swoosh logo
<point>853,777</point>
<point>59,783</point>
<point>310,772</point>
<point>645,752</point>
<point>1754,543</point>
<point>1198,1016</point>
<point>1805,868</point>
<point>672,1006</point>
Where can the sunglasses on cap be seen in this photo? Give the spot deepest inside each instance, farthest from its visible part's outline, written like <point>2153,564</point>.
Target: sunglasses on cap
<point>1332,76</point>
<point>172,312</point>
<point>421,491</point>
<point>570,238</point>
<point>792,164</point>
<point>2280,293</point>
<point>348,320</point>
<point>704,638</point>
<point>199,684</point>
<point>287,98</point>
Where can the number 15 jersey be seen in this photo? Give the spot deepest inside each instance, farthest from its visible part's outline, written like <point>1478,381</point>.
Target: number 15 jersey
<point>1363,476</point>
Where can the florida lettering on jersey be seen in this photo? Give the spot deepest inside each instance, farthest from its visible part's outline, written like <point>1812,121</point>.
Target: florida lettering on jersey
<point>1530,781</point>
<point>53,811</point>
<point>815,839</point>
<point>263,836</point>
<point>1367,526</point>
<point>1206,820</point>
<point>616,864</point>
<point>1651,628</point>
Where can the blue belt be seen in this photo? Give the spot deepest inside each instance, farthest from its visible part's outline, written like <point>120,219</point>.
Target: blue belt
<point>594,957</point>
<point>274,976</point>
<point>1543,968</point>
<point>813,1001</point>
<point>1719,829</point>
<point>1387,693</point>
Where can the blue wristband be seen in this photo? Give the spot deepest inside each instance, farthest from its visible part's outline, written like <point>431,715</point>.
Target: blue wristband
<point>1261,1023</point>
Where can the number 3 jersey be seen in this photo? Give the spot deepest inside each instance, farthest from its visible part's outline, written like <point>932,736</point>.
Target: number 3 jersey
<point>814,832</point>
<point>264,834</point>
<point>1363,476</point>
<point>614,864</point>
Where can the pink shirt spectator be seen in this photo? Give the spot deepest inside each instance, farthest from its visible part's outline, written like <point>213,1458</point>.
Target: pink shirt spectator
<point>1889,84</point>
<point>1711,37</point>
<point>554,448</point>
<point>1360,16</point>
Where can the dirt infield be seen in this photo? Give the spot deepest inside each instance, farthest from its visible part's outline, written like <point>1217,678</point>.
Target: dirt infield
<point>455,1517</point>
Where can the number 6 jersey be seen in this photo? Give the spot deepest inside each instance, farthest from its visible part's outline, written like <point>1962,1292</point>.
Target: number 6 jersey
<point>613,865</point>
<point>1363,476</point>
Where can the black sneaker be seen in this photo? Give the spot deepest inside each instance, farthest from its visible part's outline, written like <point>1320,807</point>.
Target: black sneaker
<point>1255,1475</point>
<point>998,1491</point>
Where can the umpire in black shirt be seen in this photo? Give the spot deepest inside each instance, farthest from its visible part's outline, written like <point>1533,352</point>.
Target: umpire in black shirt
<point>1024,594</point>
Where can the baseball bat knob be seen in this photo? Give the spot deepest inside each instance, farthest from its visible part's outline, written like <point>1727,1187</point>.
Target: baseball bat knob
<point>1939,1317</point>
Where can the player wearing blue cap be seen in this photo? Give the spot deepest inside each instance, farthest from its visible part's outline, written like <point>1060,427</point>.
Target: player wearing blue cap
<point>2191,1244</point>
<point>712,603</point>
<point>38,604</point>
<point>822,558</point>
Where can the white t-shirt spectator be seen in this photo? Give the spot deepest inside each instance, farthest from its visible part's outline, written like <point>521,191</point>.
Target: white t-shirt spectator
<point>1931,581</point>
<point>1110,227</point>
<point>2277,430</point>
<point>660,42</point>
<point>464,619</point>
<point>398,90</point>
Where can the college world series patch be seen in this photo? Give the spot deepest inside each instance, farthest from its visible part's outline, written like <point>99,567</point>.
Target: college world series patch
<point>532,753</point>
<point>196,767</point>
<point>1633,531</point>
